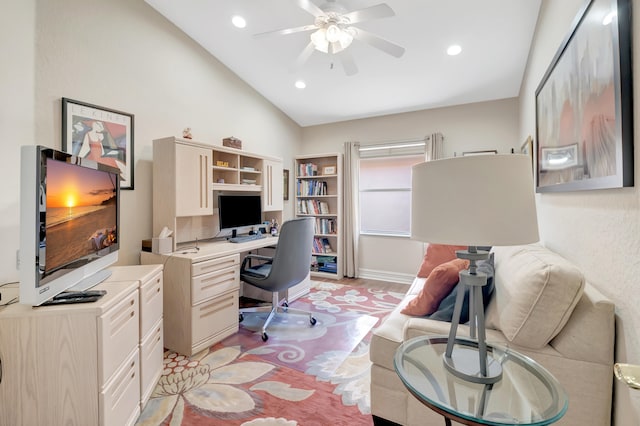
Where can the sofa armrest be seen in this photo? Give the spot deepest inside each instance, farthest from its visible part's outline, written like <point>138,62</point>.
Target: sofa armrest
<point>589,335</point>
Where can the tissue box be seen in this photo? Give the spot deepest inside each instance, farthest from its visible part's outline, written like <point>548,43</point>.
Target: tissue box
<point>162,245</point>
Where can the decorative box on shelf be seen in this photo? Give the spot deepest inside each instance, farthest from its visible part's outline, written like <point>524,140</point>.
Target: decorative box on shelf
<point>232,142</point>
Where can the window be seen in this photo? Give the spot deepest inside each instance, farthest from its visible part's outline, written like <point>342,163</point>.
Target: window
<point>385,194</point>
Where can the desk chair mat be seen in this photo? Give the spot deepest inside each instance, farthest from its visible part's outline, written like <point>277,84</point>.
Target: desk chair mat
<point>294,343</point>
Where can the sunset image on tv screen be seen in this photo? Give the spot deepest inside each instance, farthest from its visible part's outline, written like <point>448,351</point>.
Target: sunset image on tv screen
<point>81,213</point>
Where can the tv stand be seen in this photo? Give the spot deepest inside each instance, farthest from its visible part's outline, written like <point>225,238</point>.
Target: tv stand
<point>234,233</point>
<point>88,363</point>
<point>91,281</point>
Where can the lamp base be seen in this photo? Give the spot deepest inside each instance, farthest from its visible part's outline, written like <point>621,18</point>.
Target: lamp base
<point>463,363</point>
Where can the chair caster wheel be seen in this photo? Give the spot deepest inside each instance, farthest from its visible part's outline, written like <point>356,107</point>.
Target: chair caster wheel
<point>313,321</point>
<point>265,337</point>
<point>240,318</point>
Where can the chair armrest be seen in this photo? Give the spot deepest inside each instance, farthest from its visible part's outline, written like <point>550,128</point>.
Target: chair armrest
<point>248,257</point>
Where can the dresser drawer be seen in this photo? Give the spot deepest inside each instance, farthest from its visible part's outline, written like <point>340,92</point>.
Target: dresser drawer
<point>151,355</point>
<point>151,294</point>
<point>118,335</point>
<point>214,283</point>
<point>214,315</point>
<point>216,264</point>
<point>120,400</point>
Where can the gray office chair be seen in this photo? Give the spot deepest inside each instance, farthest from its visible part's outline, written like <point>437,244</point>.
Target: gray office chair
<point>288,266</point>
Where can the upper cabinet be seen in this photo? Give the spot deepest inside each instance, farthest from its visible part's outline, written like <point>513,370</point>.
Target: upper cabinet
<point>189,175</point>
<point>193,176</point>
<point>273,199</point>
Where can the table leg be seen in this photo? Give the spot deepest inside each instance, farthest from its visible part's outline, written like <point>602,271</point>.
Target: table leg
<point>447,421</point>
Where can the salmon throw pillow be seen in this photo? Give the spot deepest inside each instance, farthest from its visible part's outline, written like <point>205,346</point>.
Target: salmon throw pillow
<point>437,254</point>
<point>439,284</point>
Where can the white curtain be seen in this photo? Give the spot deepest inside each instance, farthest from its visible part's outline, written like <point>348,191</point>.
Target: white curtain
<point>351,225</point>
<point>434,147</point>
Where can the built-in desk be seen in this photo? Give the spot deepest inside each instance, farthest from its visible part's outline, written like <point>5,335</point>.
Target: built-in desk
<point>201,291</point>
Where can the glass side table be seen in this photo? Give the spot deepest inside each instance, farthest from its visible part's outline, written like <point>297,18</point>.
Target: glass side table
<point>527,394</point>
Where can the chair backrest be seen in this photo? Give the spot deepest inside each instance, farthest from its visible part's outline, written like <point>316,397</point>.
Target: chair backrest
<point>292,257</point>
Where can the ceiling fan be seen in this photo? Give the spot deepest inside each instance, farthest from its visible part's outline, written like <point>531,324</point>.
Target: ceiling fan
<point>334,31</point>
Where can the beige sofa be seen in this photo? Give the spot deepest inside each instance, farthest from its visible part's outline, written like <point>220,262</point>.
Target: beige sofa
<point>541,307</point>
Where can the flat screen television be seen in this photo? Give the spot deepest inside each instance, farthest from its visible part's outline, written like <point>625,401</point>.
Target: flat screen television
<point>69,223</point>
<point>236,211</point>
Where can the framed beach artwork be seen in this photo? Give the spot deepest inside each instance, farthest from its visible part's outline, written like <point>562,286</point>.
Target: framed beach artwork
<point>101,134</point>
<point>584,117</point>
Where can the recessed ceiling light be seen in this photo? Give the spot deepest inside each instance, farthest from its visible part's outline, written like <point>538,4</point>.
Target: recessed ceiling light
<point>238,21</point>
<point>454,50</point>
<point>301,84</point>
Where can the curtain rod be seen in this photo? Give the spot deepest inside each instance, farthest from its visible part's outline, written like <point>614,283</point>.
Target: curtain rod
<point>371,146</point>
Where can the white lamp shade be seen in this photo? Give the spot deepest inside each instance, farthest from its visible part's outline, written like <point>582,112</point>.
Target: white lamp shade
<point>479,200</point>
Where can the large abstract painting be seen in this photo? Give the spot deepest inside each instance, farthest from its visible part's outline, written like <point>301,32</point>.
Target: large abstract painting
<point>584,126</point>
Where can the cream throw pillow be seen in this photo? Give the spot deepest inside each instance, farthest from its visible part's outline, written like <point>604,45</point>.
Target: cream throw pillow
<point>536,291</point>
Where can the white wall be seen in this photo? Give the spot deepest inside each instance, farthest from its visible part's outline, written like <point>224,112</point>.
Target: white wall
<point>17,48</point>
<point>119,54</point>
<point>479,126</point>
<point>597,230</point>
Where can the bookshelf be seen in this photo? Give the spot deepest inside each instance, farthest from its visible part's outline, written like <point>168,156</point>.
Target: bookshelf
<point>319,195</point>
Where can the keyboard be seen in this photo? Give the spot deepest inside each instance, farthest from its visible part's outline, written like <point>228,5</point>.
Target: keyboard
<point>246,238</point>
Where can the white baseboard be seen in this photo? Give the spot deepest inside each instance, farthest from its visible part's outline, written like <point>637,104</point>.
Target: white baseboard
<point>395,277</point>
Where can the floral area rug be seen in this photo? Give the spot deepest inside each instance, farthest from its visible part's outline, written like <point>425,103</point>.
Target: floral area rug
<point>286,380</point>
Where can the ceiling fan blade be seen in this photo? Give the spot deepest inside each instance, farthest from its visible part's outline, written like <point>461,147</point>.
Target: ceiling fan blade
<point>378,11</point>
<point>304,56</point>
<point>379,43</point>
<point>286,31</point>
<point>348,63</point>
<point>310,7</point>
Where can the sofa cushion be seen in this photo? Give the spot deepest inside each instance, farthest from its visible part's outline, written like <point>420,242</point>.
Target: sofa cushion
<point>536,292</point>
<point>438,285</point>
<point>437,254</point>
<point>445,309</point>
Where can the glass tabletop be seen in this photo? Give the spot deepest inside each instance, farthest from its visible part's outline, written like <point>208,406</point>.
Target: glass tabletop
<point>527,394</point>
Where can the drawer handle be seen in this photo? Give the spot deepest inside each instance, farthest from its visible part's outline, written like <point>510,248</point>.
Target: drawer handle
<point>158,280</point>
<point>132,302</point>
<point>158,290</point>
<point>158,338</point>
<point>132,313</point>
<point>133,375</point>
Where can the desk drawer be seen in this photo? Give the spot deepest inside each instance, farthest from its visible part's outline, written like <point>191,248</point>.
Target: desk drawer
<point>150,304</point>
<point>118,334</point>
<point>216,264</point>
<point>214,283</point>
<point>209,317</point>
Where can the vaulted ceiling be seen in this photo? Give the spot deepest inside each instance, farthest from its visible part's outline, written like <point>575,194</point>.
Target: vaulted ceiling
<point>494,35</point>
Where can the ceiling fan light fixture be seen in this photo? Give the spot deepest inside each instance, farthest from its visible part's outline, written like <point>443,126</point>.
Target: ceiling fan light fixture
<point>346,37</point>
<point>334,36</point>
<point>319,40</point>
<point>333,33</point>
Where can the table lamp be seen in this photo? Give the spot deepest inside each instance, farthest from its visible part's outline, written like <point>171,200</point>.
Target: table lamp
<point>476,201</point>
